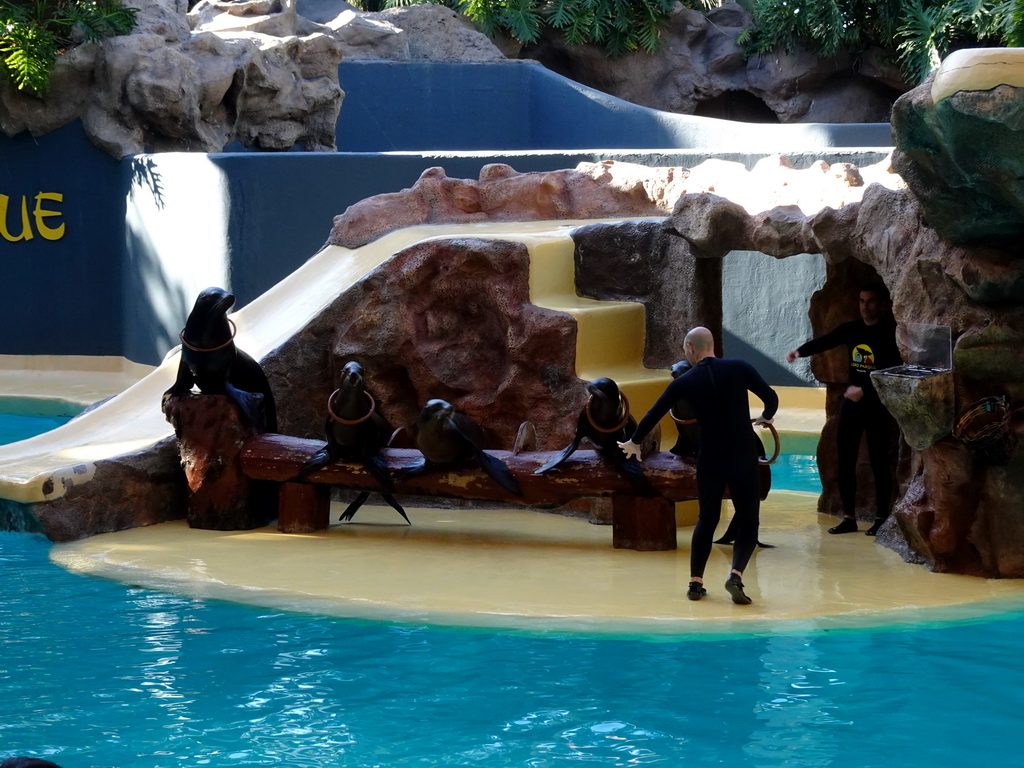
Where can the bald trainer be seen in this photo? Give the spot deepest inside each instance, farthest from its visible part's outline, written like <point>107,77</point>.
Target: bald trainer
<point>717,389</point>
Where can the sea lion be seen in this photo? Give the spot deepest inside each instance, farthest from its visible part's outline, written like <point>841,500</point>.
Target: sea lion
<point>446,437</point>
<point>211,361</point>
<point>605,422</point>
<point>685,419</point>
<point>356,432</point>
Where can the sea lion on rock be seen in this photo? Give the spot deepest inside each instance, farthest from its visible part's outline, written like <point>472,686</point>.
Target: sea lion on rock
<point>356,432</point>
<point>446,437</point>
<point>605,422</point>
<point>211,361</point>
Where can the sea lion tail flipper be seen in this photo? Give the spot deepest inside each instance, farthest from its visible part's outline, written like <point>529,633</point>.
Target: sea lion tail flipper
<point>394,503</point>
<point>352,508</point>
<point>418,467</point>
<point>499,472</point>
<point>730,534</point>
<point>251,404</point>
<point>552,463</point>
<point>316,462</point>
<point>378,469</point>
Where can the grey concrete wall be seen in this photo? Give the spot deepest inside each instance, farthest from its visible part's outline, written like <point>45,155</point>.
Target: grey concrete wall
<point>764,311</point>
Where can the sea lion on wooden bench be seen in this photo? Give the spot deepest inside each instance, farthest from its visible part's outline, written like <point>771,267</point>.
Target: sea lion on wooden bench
<point>605,422</point>
<point>446,437</point>
<point>356,432</point>
<point>211,361</point>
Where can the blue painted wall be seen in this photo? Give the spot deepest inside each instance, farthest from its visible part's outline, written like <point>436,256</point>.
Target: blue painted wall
<point>60,296</point>
<point>144,235</point>
<point>520,105</point>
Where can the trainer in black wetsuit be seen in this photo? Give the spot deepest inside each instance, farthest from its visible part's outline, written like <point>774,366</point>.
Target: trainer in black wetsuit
<point>872,346</point>
<point>717,390</point>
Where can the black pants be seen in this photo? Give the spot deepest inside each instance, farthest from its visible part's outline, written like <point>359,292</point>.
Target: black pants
<point>867,416</point>
<point>740,475</point>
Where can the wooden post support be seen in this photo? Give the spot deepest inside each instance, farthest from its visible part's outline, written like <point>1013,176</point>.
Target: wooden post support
<point>304,508</point>
<point>211,433</point>
<point>642,523</point>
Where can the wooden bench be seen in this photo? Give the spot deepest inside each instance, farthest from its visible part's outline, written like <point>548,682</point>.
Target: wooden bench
<point>241,458</point>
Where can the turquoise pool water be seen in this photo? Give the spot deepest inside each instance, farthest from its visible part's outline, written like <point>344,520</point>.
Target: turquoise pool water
<point>796,472</point>
<point>95,674</point>
<point>25,417</point>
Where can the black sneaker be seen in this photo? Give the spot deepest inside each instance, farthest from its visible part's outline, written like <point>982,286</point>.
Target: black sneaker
<point>696,590</point>
<point>847,526</point>
<point>873,530</point>
<point>735,588</point>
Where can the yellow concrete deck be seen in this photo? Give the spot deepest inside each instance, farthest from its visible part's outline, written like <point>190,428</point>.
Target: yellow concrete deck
<point>535,571</point>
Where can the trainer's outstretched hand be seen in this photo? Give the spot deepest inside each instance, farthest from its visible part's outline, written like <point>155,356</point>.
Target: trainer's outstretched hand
<point>631,449</point>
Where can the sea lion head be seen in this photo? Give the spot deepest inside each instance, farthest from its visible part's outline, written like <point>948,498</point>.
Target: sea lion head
<point>352,376</point>
<point>207,324</point>
<point>604,389</point>
<point>436,409</point>
<point>678,369</point>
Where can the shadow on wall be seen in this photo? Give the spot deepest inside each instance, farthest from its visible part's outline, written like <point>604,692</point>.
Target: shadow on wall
<point>775,373</point>
<point>176,244</point>
<point>765,311</point>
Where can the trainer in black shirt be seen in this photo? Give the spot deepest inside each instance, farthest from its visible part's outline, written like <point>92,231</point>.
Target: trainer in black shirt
<point>871,342</point>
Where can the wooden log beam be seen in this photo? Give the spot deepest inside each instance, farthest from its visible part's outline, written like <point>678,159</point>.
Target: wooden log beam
<point>585,474</point>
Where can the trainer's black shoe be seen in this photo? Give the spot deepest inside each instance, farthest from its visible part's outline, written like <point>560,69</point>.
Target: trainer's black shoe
<point>696,590</point>
<point>873,530</point>
<point>847,526</point>
<point>735,588</point>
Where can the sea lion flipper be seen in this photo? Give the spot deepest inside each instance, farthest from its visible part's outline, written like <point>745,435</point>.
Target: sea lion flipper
<point>630,469</point>
<point>565,454</point>
<point>352,508</point>
<point>251,405</point>
<point>499,472</point>
<point>183,383</point>
<point>391,500</point>
<point>729,537</point>
<point>316,462</point>
<point>417,467</point>
<point>378,469</point>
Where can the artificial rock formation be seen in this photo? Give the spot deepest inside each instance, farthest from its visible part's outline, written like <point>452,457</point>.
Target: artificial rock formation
<point>959,150</point>
<point>599,190</point>
<point>700,70</point>
<point>959,514</point>
<point>126,491</point>
<point>447,319</point>
<point>257,72</point>
<point>641,261</point>
<point>227,71</point>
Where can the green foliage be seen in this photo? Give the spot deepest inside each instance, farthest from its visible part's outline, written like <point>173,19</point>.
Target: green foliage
<point>620,26</point>
<point>34,32</point>
<point>919,32</point>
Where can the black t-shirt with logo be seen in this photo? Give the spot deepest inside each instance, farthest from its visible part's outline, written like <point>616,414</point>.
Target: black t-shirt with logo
<point>871,348</point>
